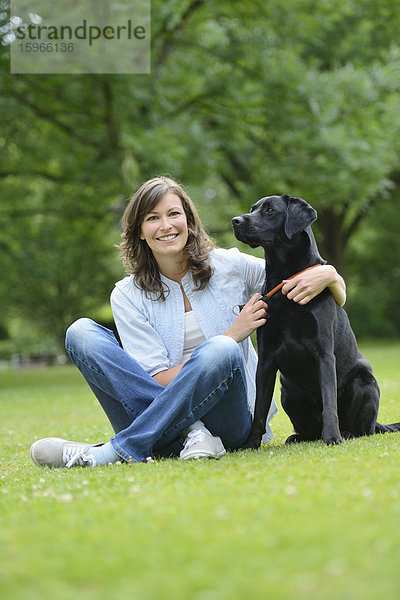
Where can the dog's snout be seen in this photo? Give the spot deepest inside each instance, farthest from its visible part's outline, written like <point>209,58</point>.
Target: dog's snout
<point>237,220</point>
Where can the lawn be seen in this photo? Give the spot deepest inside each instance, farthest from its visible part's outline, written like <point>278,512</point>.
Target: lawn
<point>286,522</point>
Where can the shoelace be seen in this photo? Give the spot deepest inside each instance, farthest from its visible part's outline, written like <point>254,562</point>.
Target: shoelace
<point>194,436</point>
<point>77,455</point>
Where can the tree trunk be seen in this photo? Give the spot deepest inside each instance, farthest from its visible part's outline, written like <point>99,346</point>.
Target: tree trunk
<point>332,239</point>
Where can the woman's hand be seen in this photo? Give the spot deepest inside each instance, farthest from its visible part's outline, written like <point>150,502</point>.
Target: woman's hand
<point>305,286</point>
<point>165,377</point>
<point>252,316</point>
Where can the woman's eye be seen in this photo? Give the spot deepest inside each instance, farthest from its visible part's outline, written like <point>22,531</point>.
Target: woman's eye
<point>152,218</point>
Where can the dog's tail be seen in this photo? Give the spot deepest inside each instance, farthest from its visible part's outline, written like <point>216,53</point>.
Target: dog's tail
<point>387,428</point>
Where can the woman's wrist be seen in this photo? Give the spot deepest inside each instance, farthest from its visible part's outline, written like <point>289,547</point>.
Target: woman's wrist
<point>336,285</point>
<point>332,275</point>
<point>232,333</point>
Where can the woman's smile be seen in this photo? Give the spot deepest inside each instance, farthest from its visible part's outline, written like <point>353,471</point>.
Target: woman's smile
<point>168,238</point>
<point>165,229</point>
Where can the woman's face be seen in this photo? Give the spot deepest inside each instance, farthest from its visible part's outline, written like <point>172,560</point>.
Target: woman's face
<point>165,228</point>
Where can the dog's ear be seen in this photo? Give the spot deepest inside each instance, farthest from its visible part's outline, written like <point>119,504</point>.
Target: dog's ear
<point>299,215</point>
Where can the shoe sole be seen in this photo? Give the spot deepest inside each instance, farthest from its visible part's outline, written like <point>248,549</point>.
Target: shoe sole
<point>209,456</point>
<point>32,450</point>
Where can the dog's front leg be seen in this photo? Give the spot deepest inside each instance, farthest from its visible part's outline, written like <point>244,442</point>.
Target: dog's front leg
<point>328,385</point>
<point>265,382</point>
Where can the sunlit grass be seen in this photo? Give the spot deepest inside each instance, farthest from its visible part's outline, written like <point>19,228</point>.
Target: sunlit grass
<point>285,522</point>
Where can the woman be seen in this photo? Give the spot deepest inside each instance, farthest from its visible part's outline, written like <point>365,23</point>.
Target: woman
<point>183,383</point>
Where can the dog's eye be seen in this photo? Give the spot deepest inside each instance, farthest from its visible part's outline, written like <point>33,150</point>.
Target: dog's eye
<point>270,211</point>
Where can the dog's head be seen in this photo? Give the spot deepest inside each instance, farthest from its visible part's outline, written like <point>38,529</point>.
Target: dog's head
<point>272,220</point>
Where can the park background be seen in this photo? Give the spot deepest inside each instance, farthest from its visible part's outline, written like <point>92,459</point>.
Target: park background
<point>243,100</point>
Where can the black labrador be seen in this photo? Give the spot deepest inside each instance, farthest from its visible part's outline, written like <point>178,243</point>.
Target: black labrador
<point>328,388</point>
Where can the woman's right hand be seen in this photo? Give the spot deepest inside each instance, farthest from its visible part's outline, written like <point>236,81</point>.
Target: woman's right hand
<point>252,316</point>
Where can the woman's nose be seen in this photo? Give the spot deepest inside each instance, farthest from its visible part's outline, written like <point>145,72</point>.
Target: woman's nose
<point>165,224</point>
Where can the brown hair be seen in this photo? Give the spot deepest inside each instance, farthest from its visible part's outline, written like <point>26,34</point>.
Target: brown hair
<point>136,254</point>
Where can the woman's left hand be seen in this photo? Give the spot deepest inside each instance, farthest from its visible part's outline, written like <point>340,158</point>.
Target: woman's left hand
<point>305,286</point>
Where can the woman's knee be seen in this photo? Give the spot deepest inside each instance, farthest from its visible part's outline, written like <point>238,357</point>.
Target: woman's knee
<point>222,349</point>
<point>79,333</point>
<point>223,344</point>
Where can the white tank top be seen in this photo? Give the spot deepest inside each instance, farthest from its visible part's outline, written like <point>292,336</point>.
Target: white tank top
<point>193,335</point>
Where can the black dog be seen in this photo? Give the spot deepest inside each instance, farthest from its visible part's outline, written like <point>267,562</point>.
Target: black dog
<point>328,388</point>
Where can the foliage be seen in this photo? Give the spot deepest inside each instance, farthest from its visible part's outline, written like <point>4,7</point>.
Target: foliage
<point>285,521</point>
<point>242,101</point>
<point>374,275</point>
<point>75,268</point>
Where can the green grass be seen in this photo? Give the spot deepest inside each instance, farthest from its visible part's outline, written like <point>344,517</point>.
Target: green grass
<point>286,522</point>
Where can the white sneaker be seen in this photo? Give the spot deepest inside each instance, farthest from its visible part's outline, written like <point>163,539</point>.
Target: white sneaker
<point>200,444</point>
<point>56,452</point>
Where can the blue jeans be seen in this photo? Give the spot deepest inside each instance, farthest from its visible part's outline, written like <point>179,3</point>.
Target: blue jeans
<point>147,417</point>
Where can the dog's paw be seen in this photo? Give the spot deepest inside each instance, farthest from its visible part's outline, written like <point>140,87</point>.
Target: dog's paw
<point>333,440</point>
<point>252,443</point>
<point>293,439</point>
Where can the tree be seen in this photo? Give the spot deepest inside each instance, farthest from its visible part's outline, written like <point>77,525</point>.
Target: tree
<point>246,100</point>
<point>296,101</point>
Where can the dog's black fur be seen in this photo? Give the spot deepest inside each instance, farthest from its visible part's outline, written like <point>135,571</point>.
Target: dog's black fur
<point>328,388</point>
